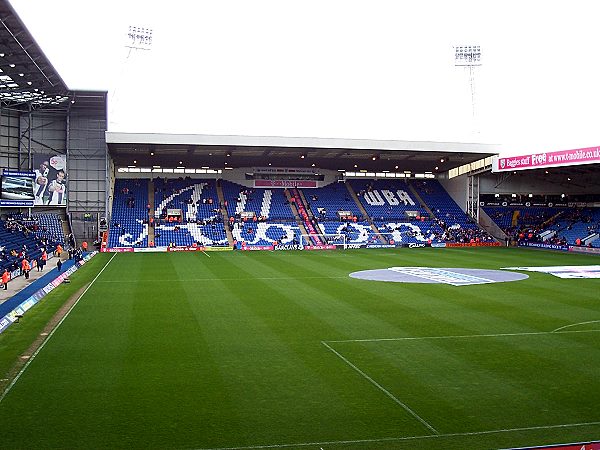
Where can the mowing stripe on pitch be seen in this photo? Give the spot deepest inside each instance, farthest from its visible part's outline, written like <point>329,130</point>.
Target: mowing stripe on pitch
<point>10,386</point>
<point>225,279</point>
<point>382,389</point>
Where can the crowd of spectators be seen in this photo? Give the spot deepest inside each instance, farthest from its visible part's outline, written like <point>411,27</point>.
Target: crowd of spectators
<point>19,242</point>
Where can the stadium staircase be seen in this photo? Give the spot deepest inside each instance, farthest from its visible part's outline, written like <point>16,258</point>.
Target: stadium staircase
<point>299,222</point>
<point>414,192</point>
<point>223,206</point>
<point>303,212</point>
<point>151,212</point>
<point>488,224</point>
<point>363,211</point>
<point>66,227</point>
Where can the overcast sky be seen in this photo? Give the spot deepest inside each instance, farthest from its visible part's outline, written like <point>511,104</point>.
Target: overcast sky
<point>341,68</point>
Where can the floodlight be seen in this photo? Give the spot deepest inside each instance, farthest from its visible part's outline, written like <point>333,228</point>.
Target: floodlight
<point>139,38</point>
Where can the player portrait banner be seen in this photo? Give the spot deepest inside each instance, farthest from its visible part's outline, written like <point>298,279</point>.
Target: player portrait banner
<point>590,155</point>
<point>50,184</point>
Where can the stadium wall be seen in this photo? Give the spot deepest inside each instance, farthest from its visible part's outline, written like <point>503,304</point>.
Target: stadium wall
<point>536,183</point>
<point>236,176</point>
<point>457,188</point>
<point>9,138</point>
<point>88,170</point>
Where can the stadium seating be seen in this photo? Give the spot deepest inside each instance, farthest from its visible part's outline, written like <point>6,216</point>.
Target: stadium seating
<point>49,226</point>
<point>202,221</point>
<point>273,219</point>
<point>441,204</point>
<point>510,217</point>
<point>271,204</point>
<point>129,227</point>
<point>325,202</point>
<point>386,200</point>
<point>15,236</point>
<point>576,224</point>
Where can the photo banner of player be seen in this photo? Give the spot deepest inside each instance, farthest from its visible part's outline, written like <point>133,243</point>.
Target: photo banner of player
<point>50,184</point>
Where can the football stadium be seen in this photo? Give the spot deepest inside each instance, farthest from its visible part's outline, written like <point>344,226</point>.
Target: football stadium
<point>174,279</point>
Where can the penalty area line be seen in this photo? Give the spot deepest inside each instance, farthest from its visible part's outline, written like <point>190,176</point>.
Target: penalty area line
<point>576,324</point>
<point>22,371</point>
<point>382,389</point>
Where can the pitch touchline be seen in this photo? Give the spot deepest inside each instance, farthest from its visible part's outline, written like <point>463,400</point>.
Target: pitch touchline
<point>222,279</point>
<point>10,386</point>
<point>384,390</point>
<point>417,338</point>
<point>407,438</point>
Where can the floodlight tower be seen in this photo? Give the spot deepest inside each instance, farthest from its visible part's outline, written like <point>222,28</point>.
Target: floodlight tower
<point>469,56</point>
<point>139,38</point>
<point>136,39</point>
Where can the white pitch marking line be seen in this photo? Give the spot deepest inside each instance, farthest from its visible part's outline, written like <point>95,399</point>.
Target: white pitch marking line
<point>407,438</point>
<point>225,279</point>
<point>205,253</point>
<point>10,386</point>
<point>382,389</point>
<point>575,324</point>
<point>418,338</point>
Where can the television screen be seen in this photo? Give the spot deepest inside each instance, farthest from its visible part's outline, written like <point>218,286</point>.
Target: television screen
<point>16,189</point>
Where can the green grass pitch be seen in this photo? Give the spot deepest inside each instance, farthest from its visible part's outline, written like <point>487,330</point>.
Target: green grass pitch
<point>284,350</point>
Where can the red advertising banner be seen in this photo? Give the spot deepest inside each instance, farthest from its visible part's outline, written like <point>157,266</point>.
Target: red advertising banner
<point>320,247</point>
<point>472,244</point>
<point>559,158</point>
<point>257,247</point>
<point>185,248</point>
<point>285,183</point>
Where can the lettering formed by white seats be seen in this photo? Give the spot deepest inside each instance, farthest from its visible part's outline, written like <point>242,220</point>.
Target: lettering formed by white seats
<point>373,198</point>
<point>376,198</point>
<point>266,203</point>
<point>404,197</point>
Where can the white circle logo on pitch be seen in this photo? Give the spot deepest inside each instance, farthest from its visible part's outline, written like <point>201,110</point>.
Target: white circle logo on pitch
<point>451,276</point>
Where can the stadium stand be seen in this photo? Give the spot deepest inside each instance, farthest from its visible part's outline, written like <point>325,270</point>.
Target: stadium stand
<point>201,222</point>
<point>457,226</point>
<point>325,202</point>
<point>386,200</point>
<point>18,240</point>
<point>577,227</point>
<point>259,217</point>
<point>511,218</point>
<point>44,225</point>
<point>129,226</point>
